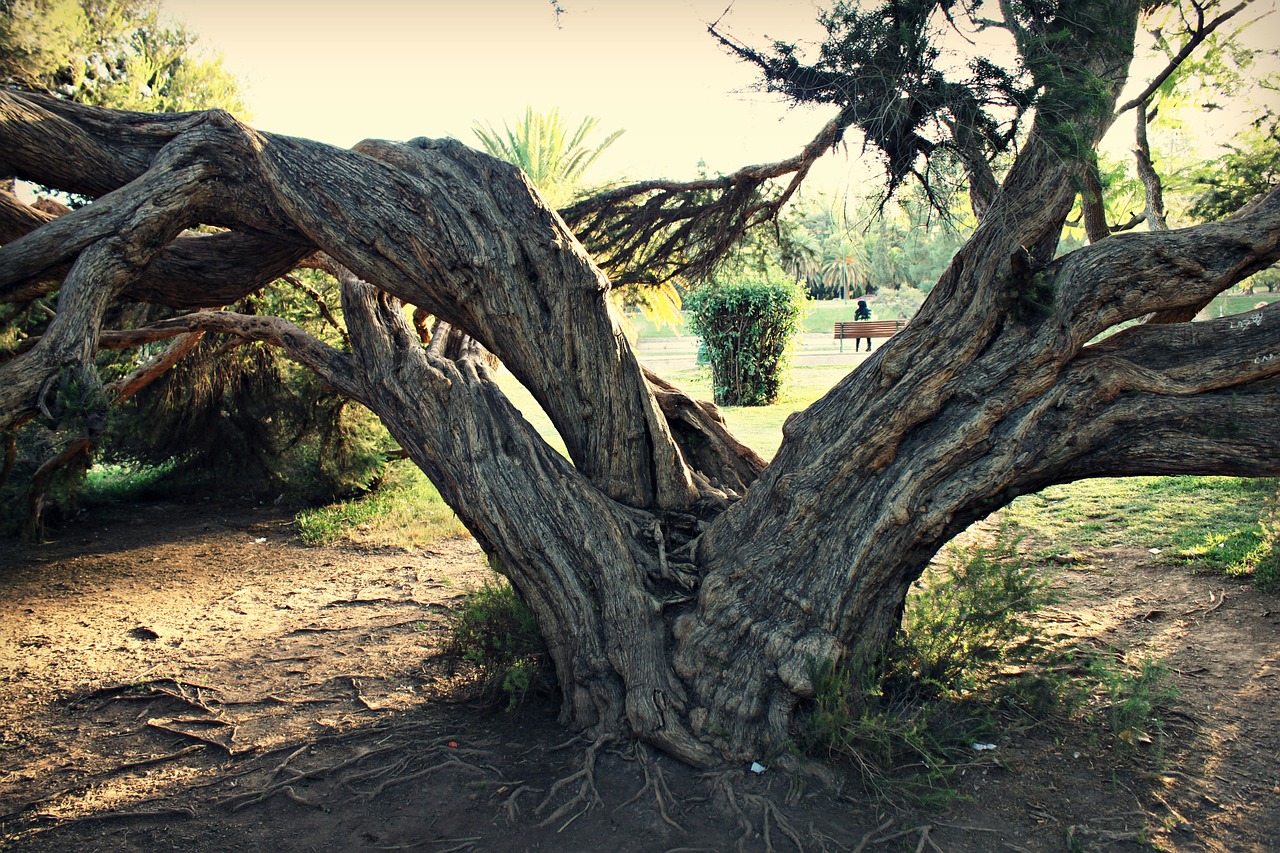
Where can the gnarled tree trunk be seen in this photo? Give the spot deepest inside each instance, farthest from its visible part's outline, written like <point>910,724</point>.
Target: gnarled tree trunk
<point>685,589</point>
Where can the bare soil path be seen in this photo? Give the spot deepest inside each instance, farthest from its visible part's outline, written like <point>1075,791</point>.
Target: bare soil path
<point>190,676</point>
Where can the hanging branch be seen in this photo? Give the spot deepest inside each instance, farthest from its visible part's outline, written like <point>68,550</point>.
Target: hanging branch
<point>652,231</point>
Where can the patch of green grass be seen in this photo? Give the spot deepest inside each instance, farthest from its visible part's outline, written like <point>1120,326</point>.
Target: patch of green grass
<point>1207,523</point>
<point>760,427</point>
<point>1227,304</point>
<point>122,483</point>
<point>406,511</point>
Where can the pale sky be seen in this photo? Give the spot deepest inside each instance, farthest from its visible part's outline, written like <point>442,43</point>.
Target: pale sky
<point>340,71</point>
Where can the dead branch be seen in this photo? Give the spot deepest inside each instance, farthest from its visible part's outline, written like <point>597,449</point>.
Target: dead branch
<point>168,726</point>
<point>157,759</point>
<point>321,305</point>
<point>140,814</point>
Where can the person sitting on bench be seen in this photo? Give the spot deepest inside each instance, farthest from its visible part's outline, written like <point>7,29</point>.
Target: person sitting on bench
<point>863,313</point>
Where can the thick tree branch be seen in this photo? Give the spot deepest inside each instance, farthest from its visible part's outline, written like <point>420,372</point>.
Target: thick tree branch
<point>1093,211</point>
<point>119,241</point>
<point>530,511</point>
<point>1190,398</point>
<point>1132,275</point>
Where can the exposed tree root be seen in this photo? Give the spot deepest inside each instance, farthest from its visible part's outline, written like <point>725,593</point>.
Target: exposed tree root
<point>656,782</point>
<point>739,803</point>
<point>511,805</point>
<point>878,836</point>
<point>586,796</point>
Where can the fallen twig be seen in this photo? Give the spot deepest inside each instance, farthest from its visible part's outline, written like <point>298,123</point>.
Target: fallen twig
<point>147,762</point>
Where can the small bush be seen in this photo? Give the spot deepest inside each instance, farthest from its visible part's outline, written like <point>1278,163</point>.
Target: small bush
<point>902,750</point>
<point>968,616</point>
<point>498,633</point>
<point>747,329</point>
<point>1134,699</point>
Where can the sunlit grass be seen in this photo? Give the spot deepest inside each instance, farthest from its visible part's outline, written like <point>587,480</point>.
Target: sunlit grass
<point>119,483</point>
<point>1206,523</point>
<point>406,510</point>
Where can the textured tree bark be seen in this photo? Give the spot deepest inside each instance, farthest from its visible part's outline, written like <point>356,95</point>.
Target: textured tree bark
<point>686,589</point>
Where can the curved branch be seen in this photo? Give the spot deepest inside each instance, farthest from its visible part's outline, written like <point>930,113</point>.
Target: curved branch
<point>328,363</point>
<point>1174,272</point>
<point>440,225</point>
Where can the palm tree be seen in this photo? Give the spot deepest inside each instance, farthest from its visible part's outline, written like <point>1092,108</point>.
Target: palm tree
<point>843,270</point>
<point>553,156</point>
<point>801,254</point>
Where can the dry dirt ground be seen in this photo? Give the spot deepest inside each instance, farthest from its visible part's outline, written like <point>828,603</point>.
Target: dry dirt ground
<point>189,676</point>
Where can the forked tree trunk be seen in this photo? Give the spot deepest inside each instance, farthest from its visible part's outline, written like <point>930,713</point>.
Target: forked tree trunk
<point>686,590</point>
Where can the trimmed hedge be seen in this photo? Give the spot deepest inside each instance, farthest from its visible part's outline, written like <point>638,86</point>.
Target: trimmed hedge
<point>746,329</point>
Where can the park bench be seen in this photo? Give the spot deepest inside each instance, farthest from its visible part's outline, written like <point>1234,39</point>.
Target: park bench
<point>867,329</point>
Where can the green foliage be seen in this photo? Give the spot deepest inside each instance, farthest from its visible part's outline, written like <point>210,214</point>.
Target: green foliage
<point>553,155</point>
<point>972,653</point>
<point>968,616</point>
<point>498,633</point>
<point>1251,166</point>
<point>1133,699</point>
<point>872,248</point>
<point>879,65</point>
<point>246,420</point>
<point>34,443</point>
<point>901,751</point>
<point>1266,559</point>
<point>111,54</point>
<point>747,328</point>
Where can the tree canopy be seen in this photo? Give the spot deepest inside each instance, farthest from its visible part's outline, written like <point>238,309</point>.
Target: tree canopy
<point>688,592</point>
<point>111,54</point>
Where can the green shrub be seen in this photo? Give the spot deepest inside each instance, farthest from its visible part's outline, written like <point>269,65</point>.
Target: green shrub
<point>902,750</point>
<point>968,616</point>
<point>1134,699</point>
<point>971,653</point>
<point>496,631</point>
<point>747,329</point>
